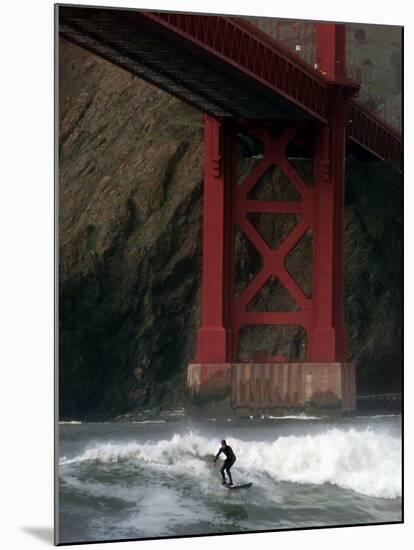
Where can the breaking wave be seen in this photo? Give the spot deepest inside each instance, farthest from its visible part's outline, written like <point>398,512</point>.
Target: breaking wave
<point>365,461</point>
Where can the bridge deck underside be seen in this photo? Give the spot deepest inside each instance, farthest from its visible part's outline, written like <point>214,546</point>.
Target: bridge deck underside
<point>197,76</point>
<point>168,61</point>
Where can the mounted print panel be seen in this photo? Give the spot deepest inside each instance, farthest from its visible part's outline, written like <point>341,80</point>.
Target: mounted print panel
<point>230,274</point>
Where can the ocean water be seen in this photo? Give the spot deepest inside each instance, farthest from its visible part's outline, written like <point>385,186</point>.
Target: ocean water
<point>156,478</point>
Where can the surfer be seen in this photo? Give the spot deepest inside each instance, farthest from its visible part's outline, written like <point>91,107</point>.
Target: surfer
<point>228,463</point>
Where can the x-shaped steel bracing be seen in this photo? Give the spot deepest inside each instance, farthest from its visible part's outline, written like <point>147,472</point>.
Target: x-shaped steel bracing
<point>273,260</point>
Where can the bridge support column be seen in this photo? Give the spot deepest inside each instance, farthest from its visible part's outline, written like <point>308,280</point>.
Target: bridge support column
<point>327,339</point>
<point>209,379</point>
<point>214,336</point>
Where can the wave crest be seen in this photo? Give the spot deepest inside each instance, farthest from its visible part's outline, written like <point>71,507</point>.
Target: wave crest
<point>362,460</point>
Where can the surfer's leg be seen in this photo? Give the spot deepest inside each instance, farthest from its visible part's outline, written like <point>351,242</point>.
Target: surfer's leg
<point>222,471</point>
<point>228,472</point>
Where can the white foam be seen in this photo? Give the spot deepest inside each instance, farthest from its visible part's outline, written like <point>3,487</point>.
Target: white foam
<point>70,422</point>
<point>365,461</point>
<point>161,510</point>
<point>176,412</point>
<point>302,416</point>
<point>148,422</point>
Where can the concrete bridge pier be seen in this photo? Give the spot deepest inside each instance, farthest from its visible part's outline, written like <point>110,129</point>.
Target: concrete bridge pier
<point>245,389</point>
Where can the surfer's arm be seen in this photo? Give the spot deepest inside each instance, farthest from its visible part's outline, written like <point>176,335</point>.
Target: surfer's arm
<point>218,454</point>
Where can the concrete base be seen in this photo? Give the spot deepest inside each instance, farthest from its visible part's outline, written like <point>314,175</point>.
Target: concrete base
<point>249,388</point>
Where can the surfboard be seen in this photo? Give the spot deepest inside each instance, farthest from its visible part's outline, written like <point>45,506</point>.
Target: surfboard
<point>243,486</point>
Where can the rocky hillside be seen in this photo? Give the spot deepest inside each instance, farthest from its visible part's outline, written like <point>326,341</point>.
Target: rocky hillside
<point>130,248</point>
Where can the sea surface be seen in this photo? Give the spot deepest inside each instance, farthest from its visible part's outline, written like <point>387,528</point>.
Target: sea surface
<point>157,478</point>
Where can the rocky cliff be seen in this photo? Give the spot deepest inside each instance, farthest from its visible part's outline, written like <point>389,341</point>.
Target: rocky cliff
<point>130,193</point>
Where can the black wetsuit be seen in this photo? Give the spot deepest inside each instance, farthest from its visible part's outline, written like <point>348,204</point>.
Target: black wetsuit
<point>228,463</point>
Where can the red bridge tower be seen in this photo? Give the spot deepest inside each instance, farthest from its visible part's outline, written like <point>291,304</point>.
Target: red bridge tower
<point>326,378</point>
